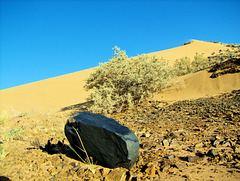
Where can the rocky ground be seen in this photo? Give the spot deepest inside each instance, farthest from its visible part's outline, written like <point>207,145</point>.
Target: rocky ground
<point>230,66</point>
<point>186,140</point>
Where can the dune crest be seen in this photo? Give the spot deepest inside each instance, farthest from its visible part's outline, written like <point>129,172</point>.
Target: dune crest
<point>190,50</point>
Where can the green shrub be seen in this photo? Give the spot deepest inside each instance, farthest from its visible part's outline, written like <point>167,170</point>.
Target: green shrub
<point>3,117</point>
<point>22,114</point>
<point>3,153</point>
<point>200,62</point>
<point>182,66</point>
<point>186,43</point>
<point>123,82</point>
<point>185,66</point>
<point>13,134</point>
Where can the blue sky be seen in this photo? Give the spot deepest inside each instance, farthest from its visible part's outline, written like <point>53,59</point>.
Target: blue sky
<point>40,39</point>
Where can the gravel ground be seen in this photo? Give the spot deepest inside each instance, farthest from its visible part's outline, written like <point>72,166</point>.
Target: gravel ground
<point>187,140</point>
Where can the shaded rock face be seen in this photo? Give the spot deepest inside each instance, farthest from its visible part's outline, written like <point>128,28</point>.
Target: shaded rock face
<point>230,66</point>
<point>108,142</point>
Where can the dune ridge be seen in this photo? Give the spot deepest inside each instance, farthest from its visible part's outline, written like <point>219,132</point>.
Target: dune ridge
<point>189,50</point>
<point>62,91</point>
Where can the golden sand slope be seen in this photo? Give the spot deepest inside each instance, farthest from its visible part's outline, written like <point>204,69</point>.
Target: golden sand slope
<point>196,85</point>
<point>66,90</point>
<point>53,93</point>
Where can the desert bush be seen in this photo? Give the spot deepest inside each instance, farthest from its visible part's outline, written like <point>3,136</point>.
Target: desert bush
<point>182,66</point>
<point>186,43</point>
<point>13,134</point>
<point>123,82</point>
<point>3,152</point>
<point>200,62</point>
<point>3,117</point>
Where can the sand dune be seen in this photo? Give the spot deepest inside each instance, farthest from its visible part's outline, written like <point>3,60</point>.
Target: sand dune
<point>196,85</point>
<point>58,92</point>
<point>53,93</point>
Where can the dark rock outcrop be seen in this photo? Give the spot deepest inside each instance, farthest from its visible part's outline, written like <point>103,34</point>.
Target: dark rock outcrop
<point>230,66</point>
<point>108,142</point>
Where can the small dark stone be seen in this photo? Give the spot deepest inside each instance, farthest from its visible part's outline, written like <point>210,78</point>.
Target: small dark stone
<point>186,176</point>
<point>236,156</point>
<point>232,143</point>
<point>190,158</point>
<point>108,142</point>
<point>165,168</point>
<point>184,139</point>
<point>192,149</point>
<point>211,153</point>
<point>216,143</point>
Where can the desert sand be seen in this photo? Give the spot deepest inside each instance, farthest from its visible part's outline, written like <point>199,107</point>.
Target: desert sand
<point>196,85</point>
<point>167,127</point>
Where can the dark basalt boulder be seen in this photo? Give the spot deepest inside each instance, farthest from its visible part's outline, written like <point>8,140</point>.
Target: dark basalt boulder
<point>108,142</point>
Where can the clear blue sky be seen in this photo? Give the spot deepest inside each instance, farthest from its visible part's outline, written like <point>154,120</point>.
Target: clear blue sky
<point>40,39</point>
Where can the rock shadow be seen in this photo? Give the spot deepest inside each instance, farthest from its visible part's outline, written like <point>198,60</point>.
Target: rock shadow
<point>59,148</point>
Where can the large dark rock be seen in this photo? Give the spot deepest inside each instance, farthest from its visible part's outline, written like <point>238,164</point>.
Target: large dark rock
<point>108,142</point>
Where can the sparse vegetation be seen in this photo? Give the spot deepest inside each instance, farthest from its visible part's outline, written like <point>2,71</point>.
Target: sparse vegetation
<point>233,45</point>
<point>13,134</point>
<point>3,117</point>
<point>200,62</point>
<point>36,143</point>
<point>124,82</point>
<point>3,152</point>
<point>233,51</point>
<point>182,66</point>
<point>6,136</point>
<point>82,149</point>
<point>185,66</point>
<point>88,161</point>
<point>22,114</point>
<point>186,43</point>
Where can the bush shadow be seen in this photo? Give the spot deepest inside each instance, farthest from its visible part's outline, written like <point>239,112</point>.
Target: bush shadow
<point>76,107</point>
